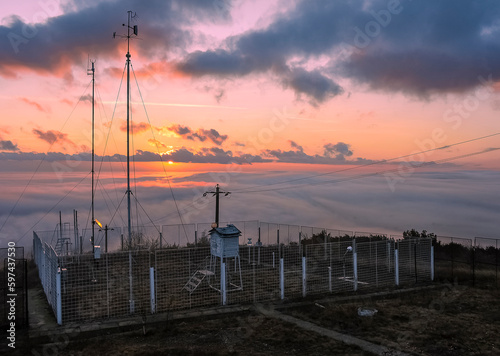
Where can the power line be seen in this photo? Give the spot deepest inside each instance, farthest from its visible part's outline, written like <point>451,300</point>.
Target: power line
<point>346,179</point>
<point>366,165</point>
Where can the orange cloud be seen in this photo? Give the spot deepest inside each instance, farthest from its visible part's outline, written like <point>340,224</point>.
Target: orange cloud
<point>52,137</point>
<point>34,104</point>
<point>135,128</point>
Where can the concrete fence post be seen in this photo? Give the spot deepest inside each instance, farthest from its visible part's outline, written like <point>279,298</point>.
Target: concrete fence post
<point>432,263</point>
<point>396,267</point>
<point>152,289</point>
<point>330,287</point>
<point>282,278</point>
<point>355,263</point>
<point>355,269</point>
<point>304,277</point>
<point>58,297</point>
<point>223,281</point>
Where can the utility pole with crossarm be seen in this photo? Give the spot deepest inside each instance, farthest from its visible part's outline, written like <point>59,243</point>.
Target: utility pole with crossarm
<point>216,194</point>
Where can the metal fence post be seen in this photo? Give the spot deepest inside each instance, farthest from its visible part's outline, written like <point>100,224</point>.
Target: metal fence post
<point>58,297</point>
<point>304,276</point>
<point>330,279</point>
<point>355,265</point>
<point>282,278</point>
<point>223,281</point>
<point>432,263</point>
<point>396,267</point>
<point>152,289</point>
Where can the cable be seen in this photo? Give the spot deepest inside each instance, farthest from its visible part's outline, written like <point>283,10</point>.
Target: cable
<point>368,164</point>
<point>41,161</point>
<point>161,158</point>
<point>380,172</point>
<point>56,204</point>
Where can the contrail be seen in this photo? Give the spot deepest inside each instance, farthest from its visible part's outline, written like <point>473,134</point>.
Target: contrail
<point>182,105</point>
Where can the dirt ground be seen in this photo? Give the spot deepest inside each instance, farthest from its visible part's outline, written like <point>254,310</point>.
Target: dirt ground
<point>452,320</point>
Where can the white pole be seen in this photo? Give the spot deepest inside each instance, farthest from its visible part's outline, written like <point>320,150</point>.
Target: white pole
<point>223,281</point>
<point>58,297</point>
<point>355,267</point>
<point>432,263</point>
<point>304,277</point>
<point>396,267</point>
<point>389,244</point>
<point>330,279</point>
<point>282,278</point>
<point>152,289</point>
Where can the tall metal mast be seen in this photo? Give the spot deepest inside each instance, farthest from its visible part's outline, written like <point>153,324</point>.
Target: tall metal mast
<point>129,35</point>
<point>128,131</point>
<point>92,72</point>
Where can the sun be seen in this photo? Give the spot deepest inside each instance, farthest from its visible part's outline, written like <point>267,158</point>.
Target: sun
<point>170,162</point>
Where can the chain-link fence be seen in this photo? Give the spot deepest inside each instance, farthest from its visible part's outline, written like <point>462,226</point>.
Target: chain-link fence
<point>144,281</point>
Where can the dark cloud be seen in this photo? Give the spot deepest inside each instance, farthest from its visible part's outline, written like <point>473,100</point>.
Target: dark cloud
<point>339,150</point>
<point>205,155</point>
<point>7,145</point>
<point>318,87</point>
<point>419,48</point>
<point>87,98</point>
<point>180,130</point>
<point>414,47</point>
<point>296,145</point>
<point>52,137</point>
<point>200,135</point>
<point>52,45</point>
<point>333,154</point>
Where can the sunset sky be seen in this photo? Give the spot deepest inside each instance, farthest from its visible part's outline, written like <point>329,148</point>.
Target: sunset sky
<point>320,113</point>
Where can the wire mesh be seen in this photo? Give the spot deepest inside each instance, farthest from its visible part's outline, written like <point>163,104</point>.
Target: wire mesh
<point>269,233</point>
<point>375,264</point>
<point>454,258</point>
<point>289,234</point>
<point>414,260</point>
<point>486,260</point>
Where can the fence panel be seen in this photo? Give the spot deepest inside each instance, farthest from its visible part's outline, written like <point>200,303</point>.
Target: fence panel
<point>289,234</point>
<point>375,264</point>
<point>292,261</point>
<point>414,260</point>
<point>454,258</point>
<point>486,261</point>
<point>175,268</point>
<point>249,229</point>
<point>181,235</point>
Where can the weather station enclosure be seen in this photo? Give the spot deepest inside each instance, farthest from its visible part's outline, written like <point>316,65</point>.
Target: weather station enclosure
<point>224,252</point>
<point>224,241</point>
<point>288,263</point>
